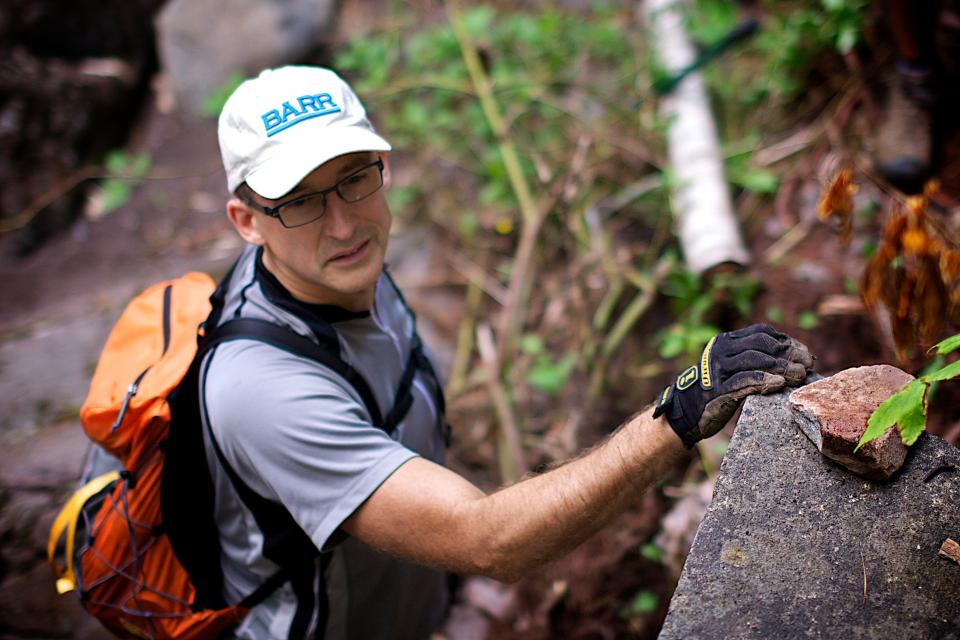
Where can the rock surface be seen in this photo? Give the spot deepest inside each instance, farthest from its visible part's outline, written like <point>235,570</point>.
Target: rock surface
<point>833,413</point>
<point>795,548</point>
<point>203,43</point>
<point>72,78</point>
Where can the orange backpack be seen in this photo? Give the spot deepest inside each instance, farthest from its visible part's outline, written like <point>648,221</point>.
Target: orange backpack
<point>111,542</point>
<point>123,567</point>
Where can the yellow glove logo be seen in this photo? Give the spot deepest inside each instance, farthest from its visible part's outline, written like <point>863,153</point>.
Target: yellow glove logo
<point>686,379</point>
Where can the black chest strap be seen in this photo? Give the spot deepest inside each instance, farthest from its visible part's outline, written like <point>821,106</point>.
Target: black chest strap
<point>326,353</point>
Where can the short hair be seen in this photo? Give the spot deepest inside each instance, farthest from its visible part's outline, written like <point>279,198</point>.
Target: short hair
<point>244,194</point>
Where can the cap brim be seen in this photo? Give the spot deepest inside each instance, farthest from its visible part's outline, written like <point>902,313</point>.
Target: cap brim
<point>278,175</point>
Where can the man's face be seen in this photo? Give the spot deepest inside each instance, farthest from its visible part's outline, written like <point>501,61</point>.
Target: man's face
<point>338,258</point>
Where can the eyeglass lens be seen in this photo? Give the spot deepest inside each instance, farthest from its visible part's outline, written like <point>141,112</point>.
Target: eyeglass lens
<point>353,188</point>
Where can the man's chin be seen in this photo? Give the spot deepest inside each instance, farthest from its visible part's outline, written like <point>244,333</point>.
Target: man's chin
<point>353,282</point>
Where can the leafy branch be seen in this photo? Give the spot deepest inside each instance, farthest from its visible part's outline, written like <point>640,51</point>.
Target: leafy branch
<point>907,408</point>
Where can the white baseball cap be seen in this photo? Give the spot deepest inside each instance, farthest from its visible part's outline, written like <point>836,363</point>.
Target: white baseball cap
<point>278,127</point>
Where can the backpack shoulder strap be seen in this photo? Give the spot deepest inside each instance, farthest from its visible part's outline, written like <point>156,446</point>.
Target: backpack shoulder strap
<point>418,360</point>
<point>326,353</point>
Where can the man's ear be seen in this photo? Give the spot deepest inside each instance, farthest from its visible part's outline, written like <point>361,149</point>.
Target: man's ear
<point>386,168</point>
<point>245,221</point>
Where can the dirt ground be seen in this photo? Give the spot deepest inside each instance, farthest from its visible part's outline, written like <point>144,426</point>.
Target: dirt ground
<point>57,305</point>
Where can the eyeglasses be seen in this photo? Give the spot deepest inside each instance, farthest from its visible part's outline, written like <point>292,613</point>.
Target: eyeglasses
<point>360,184</point>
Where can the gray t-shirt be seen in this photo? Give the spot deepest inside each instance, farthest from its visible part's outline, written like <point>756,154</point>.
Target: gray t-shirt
<point>297,433</point>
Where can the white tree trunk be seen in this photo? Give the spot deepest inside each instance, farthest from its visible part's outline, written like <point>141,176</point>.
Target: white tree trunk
<point>705,222</point>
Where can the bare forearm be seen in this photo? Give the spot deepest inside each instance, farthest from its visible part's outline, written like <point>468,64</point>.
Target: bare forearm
<point>543,517</point>
<point>429,514</point>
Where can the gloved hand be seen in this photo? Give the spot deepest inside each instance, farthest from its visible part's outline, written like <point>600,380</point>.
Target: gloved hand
<point>733,365</point>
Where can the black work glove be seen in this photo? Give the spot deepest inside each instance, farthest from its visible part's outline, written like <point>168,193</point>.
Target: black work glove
<point>733,365</point>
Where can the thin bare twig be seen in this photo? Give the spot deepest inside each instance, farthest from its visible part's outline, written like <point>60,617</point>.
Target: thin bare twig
<point>476,275</point>
<point>634,311</point>
<point>60,189</point>
<point>509,448</point>
<point>483,87</point>
<point>461,362</point>
<point>787,241</point>
<point>864,563</point>
<point>520,280</point>
<point>637,308</point>
<point>533,215</point>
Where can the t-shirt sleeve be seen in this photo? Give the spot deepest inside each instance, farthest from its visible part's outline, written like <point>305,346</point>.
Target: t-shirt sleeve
<point>297,433</point>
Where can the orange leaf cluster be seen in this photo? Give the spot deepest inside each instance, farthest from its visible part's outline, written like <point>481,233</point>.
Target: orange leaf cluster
<point>915,274</point>
<point>836,202</point>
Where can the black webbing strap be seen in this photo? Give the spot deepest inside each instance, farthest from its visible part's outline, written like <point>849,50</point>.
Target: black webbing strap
<point>404,397</point>
<point>265,590</point>
<point>327,354</point>
<point>284,542</point>
<point>417,360</point>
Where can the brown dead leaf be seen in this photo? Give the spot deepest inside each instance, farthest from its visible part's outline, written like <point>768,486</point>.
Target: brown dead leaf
<point>836,201</point>
<point>915,275</point>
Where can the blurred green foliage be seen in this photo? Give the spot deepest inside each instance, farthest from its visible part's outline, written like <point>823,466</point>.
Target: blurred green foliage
<point>693,302</point>
<point>554,74</point>
<point>774,64</point>
<point>643,603</point>
<point>213,103</point>
<point>545,374</point>
<point>560,77</point>
<point>124,172</point>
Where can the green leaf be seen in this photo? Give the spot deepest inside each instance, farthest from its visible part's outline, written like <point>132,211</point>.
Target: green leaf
<point>851,286</point>
<point>115,162</point>
<point>775,315</point>
<point>644,602</point>
<point>468,224</point>
<point>912,425</point>
<point>759,181</point>
<point>672,345</point>
<point>212,103</point>
<point>140,166</point>
<point>892,410</point>
<point>551,376</point>
<point>847,38</point>
<point>652,552</point>
<point>947,346</point>
<point>531,344</point>
<point>116,193</point>
<point>807,320</point>
<point>477,21</point>
<point>401,196</point>
<point>952,370</point>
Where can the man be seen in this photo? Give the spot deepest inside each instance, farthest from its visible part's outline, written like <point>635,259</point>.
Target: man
<point>309,175</point>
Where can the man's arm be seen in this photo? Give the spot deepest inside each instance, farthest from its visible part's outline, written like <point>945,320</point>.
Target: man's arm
<point>429,514</point>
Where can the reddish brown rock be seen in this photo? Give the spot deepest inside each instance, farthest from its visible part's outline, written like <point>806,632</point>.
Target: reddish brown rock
<point>833,413</point>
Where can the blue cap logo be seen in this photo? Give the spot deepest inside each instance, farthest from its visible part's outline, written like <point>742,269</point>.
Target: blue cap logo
<point>311,106</point>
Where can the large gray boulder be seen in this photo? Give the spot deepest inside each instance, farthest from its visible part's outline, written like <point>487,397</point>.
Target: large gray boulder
<point>203,43</point>
<point>795,546</point>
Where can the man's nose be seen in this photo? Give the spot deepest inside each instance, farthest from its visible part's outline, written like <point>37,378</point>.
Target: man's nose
<point>339,221</point>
